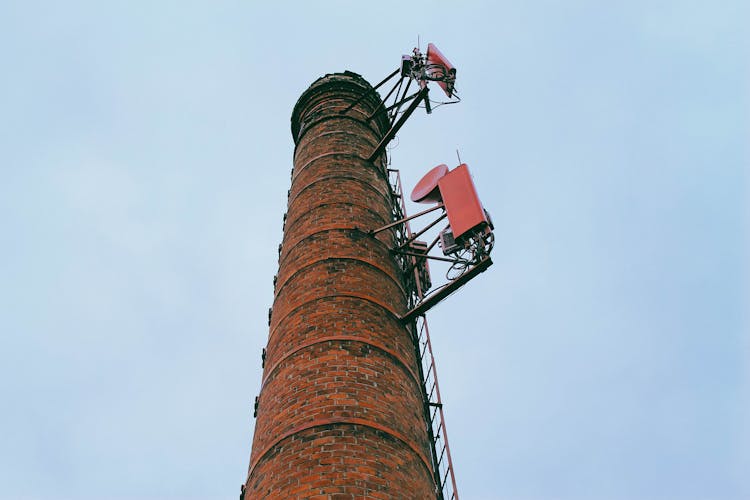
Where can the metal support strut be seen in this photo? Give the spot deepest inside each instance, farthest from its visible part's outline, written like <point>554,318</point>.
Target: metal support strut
<point>421,95</point>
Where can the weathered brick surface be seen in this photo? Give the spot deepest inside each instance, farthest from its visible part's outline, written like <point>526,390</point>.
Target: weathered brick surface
<point>349,247</point>
<point>351,379</point>
<point>339,316</point>
<point>340,461</point>
<point>345,189</point>
<point>328,216</point>
<point>340,411</point>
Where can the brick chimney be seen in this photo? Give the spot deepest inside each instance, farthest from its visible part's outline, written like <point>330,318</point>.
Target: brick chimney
<point>340,412</point>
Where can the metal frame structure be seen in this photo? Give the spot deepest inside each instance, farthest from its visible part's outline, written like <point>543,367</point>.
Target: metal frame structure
<point>444,476</point>
<point>470,259</point>
<point>421,69</point>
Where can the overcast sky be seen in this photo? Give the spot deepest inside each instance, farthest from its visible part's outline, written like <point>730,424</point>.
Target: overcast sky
<point>145,153</point>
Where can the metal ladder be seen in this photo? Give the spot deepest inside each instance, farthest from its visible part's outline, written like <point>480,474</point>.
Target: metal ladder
<point>433,407</point>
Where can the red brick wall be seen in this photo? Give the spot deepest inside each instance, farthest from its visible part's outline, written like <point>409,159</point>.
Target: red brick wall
<point>340,410</point>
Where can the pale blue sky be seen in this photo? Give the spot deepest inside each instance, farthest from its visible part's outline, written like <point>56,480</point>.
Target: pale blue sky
<point>145,154</point>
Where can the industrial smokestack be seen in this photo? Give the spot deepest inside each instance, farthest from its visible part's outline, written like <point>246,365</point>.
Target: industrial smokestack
<point>341,408</point>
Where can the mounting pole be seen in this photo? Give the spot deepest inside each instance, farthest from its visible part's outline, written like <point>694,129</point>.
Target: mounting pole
<point>368,92</point>
<point>397,126</point>
<point>401,221</point>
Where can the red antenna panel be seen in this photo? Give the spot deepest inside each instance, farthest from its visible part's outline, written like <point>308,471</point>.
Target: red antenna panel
<point>441,69</point>
<point>462,204</point>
